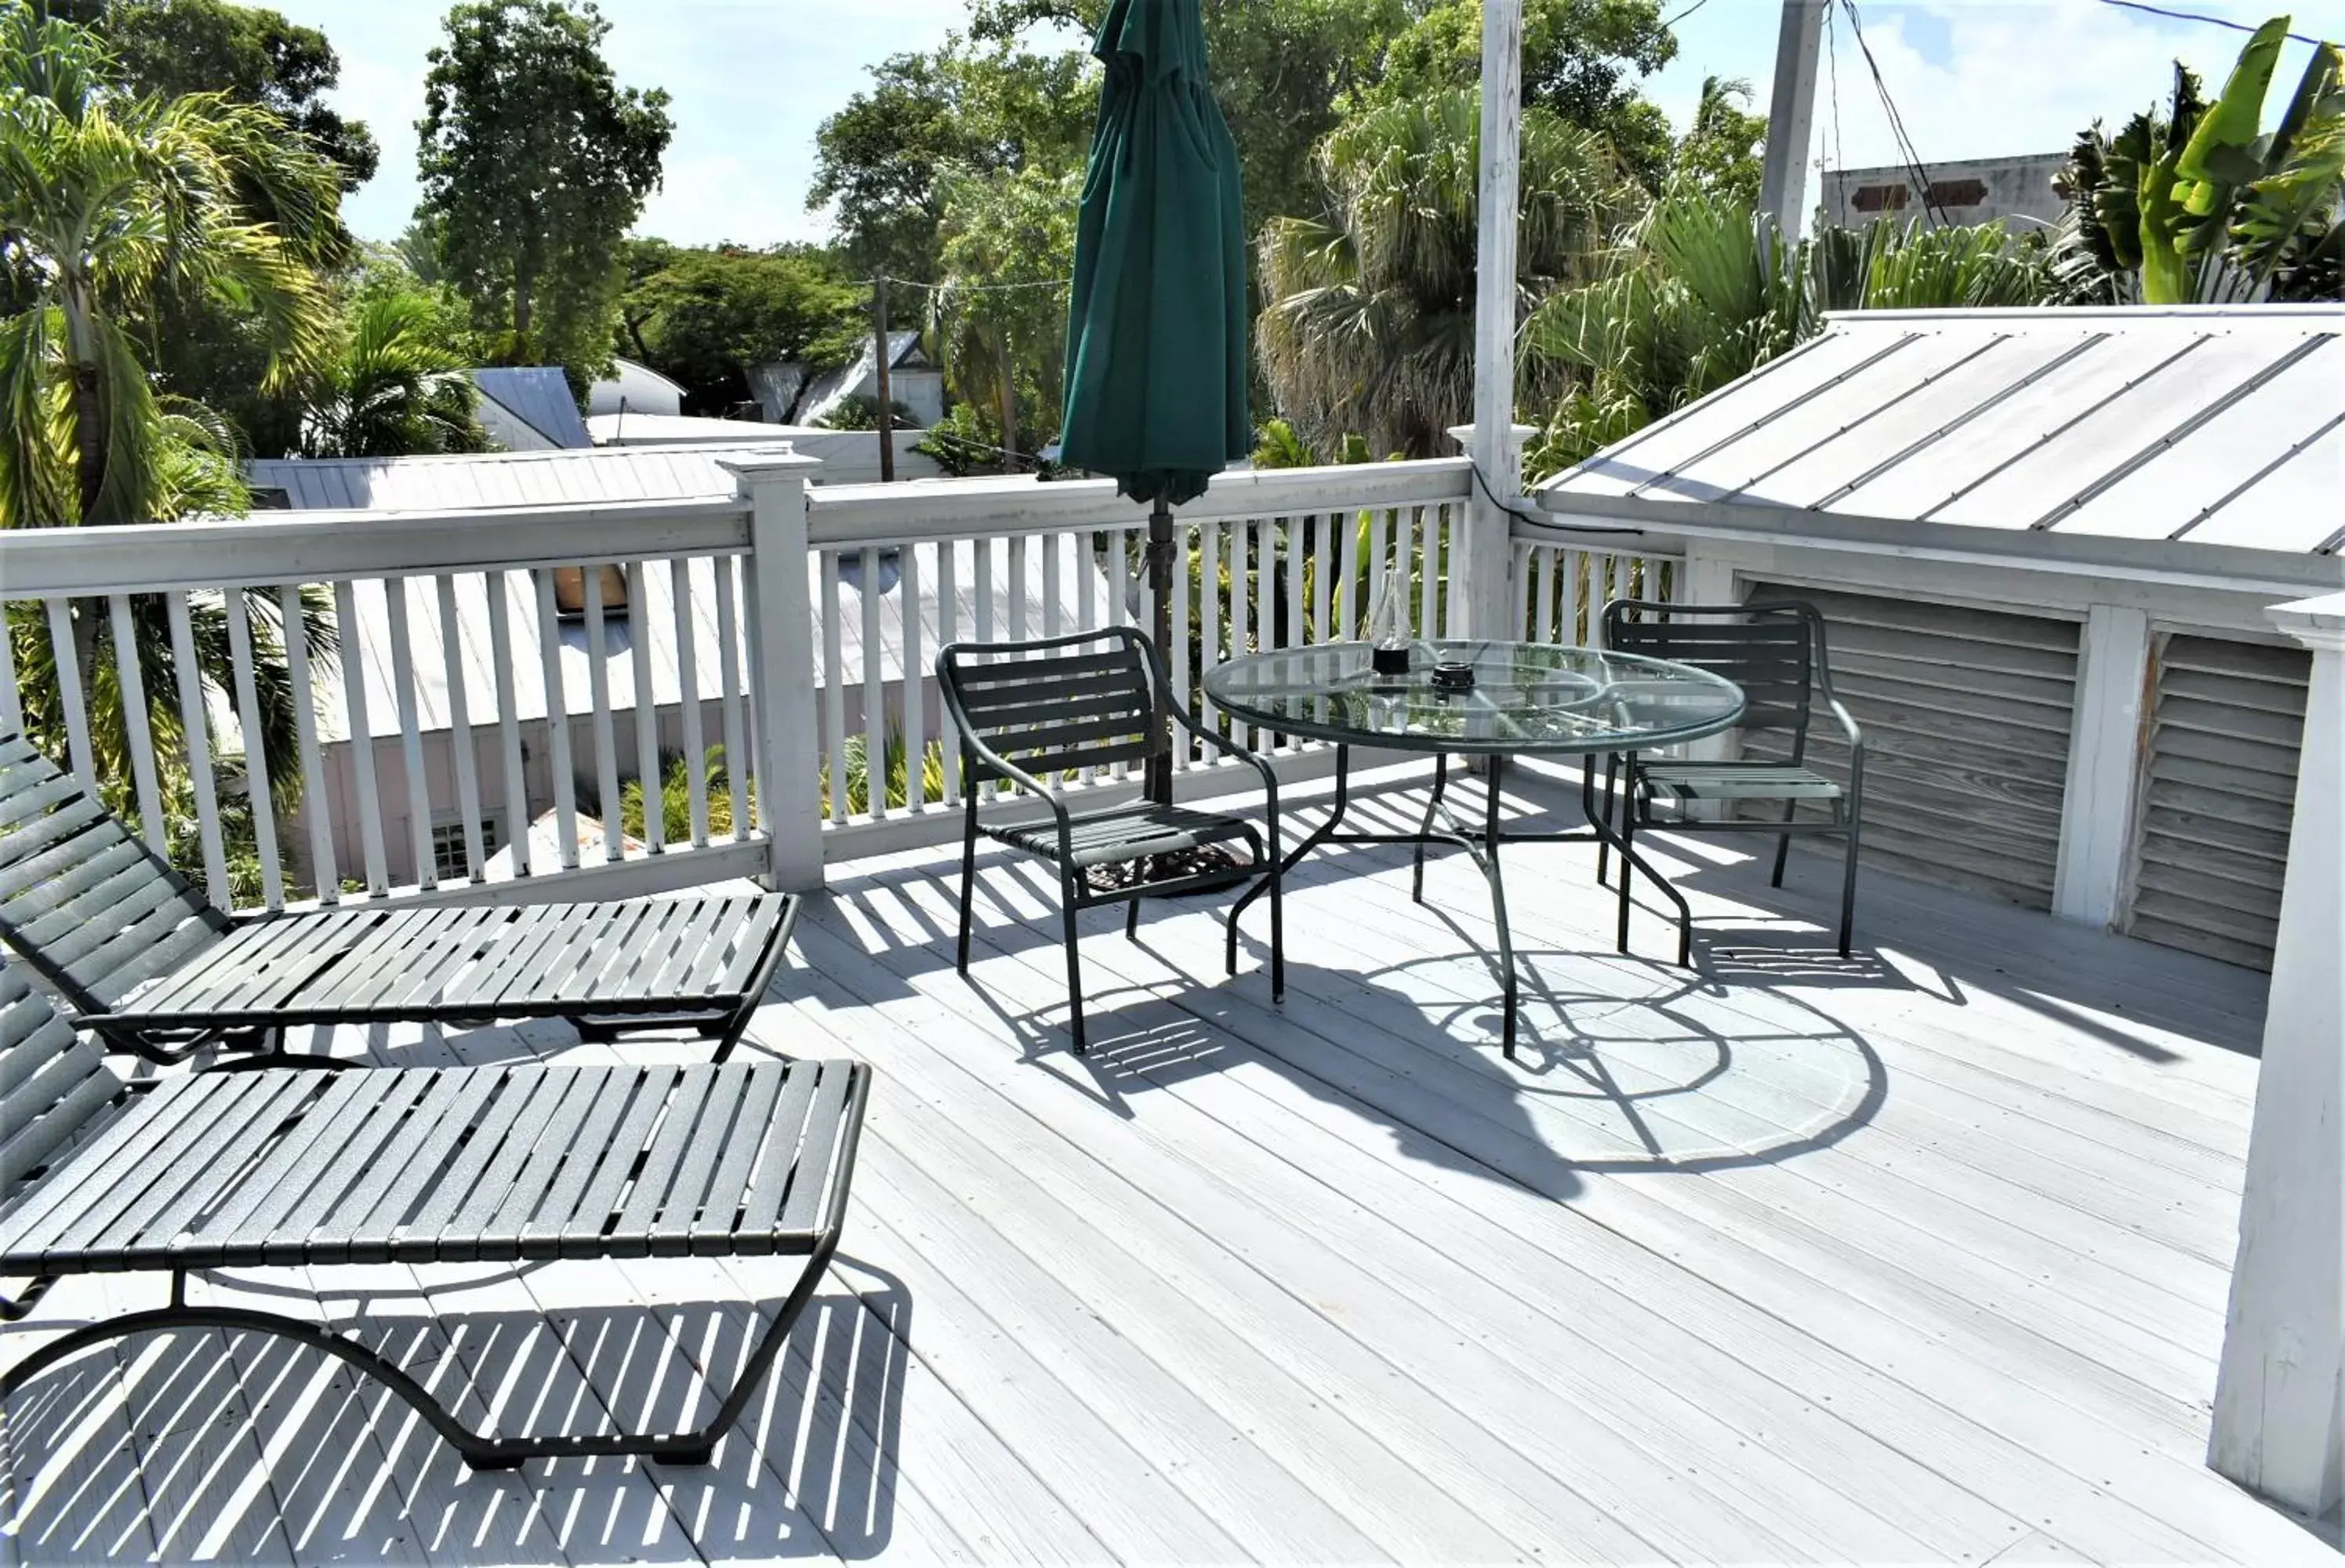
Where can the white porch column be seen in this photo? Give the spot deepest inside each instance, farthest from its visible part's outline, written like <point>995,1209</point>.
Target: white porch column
<point>2103,751</point>
<point>780,615</point>
<point>2279,1425</point>
<point>1480,560</point>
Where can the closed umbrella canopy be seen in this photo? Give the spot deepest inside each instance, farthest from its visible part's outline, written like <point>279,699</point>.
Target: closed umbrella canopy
<point>1156,335</point>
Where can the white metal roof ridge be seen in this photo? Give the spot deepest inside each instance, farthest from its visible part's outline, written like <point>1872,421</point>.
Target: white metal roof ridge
<point>2218,426</point>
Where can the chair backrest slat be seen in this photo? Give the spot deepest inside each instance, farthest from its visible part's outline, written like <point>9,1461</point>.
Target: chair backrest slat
<point>1769,649</point>
<point>53,1084</point>
<point>1052,705</point>
<point>81,897</point>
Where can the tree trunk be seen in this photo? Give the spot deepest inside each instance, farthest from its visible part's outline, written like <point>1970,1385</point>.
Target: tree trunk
<point>1008,394</point>
<point>87,393</point>
<point>522,285</point>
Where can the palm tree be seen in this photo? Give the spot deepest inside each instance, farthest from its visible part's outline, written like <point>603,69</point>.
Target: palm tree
<point>108,202</point>
<point>1369,326</point>
<point>394,387</point>
<point>1700,289</point>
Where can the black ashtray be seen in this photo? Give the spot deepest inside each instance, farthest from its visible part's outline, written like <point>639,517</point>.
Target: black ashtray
<point>1453,675</point>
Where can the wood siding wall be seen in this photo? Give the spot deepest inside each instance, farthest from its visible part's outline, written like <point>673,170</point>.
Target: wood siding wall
<point>2219,782</point>
<point>1966,715</point>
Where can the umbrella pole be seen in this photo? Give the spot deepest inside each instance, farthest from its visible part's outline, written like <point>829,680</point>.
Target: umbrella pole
<point>1160,590</point>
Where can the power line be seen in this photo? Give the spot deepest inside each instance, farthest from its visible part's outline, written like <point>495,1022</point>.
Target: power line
<point>1689,11</point>
<point>2197,16</point>
<point>979,287</point>
<point>1913,165</point>
<point>1839,147</point>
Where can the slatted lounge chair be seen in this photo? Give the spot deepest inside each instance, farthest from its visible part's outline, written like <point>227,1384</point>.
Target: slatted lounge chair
<point>1031,710</point>
<point>425,1165</point>
<point>1775,652</point>
<point>144,959</point>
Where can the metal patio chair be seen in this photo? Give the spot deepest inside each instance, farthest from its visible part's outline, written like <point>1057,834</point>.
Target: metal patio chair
<point>288,1167</point>
<point>145,961</point>
<point>1775,651</point>
<point>1028,711</point>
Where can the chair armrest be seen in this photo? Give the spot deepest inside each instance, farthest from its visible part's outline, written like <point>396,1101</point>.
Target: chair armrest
<point>1027,782</point>
<point>1189,720</point>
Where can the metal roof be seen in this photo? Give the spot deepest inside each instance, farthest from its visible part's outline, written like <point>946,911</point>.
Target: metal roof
<point>538,396</point>
<point>2212,426</point>
<point>479,480</point>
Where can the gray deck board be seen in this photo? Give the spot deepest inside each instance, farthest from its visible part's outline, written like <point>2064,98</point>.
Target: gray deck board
<point>1921,1257</point>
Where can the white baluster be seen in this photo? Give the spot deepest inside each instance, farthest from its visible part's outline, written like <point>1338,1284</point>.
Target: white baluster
<point>460,726</point>
<point>315,802</point>
<point>498,585</point>
<point>682,601</point>
<point>255,748</point>
<point>647,759</point>
<point>557,721</point>
<point>198,738</point>
<point>137,720</point>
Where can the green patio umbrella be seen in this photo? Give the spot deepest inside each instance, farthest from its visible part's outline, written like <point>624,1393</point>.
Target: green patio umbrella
<point>1156,334</point>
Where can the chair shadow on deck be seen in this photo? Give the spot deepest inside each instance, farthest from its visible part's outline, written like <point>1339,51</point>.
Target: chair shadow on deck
<point>233,1439</point>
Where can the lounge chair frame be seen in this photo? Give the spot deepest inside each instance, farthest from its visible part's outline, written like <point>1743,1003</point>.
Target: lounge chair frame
<point>398,1165</point>
<point>155,968</point>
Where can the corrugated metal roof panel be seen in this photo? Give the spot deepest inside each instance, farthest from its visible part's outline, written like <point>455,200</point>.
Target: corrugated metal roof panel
<point>2205,424</point>
<point>538,396</point>
<point>505,478</point>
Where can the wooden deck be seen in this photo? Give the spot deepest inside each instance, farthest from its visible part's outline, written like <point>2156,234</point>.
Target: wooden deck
<point>1917,1259</point>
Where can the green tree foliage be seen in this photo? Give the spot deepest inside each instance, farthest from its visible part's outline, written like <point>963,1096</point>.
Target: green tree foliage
<point>1370,323</point>
<point>2200,206</point>
<point>969,108</point>
<point>1009,245</point>
<point>247,53</point>
<point>705,317</point>
<point>534,164</point>
<point>1721,151</point>
<point>396,383</point>
<point>107,199</point>
<point>1282,72</point>
<point>1700,289</point>
<point>1581,60</point>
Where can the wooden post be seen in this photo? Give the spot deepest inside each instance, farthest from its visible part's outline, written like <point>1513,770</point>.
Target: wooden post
<point>879,359</point>
<point>2096,803</point>
<point>780,622</point>
<point>1791,115</point>
<point>2278,1419</point>
<point>1481,557</point>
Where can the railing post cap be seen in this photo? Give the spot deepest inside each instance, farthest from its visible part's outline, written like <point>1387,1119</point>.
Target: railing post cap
<point>2317,623</point>
<point>1464,434</point>
<point>781,463</point>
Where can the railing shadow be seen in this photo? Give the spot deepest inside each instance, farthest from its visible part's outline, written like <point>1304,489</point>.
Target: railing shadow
<point>197,1442</point>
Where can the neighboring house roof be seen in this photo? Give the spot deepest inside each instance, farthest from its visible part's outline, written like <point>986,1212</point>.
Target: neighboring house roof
<point>848,457</point>
<point>486,482</point>
<point>832,388</point>
<point>2205,425</point>
<point>509,478</point>
<point>638,386</point>
<point>537,397</point>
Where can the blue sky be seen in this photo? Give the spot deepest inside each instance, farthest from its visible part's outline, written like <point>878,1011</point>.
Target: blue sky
<point>751,79</point>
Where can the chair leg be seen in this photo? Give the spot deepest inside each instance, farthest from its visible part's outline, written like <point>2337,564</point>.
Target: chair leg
<point>1783,844</point>
<point>1074,966</point>
<point>1628,867</point>
<point>1278,926</point>
<point>1131,921</point>
<point>1848,892</point>
<point>968,883</point>
<point>1612,775</point>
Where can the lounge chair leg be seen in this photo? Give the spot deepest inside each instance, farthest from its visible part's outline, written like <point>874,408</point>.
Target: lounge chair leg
<point>1587,779</point>
<point>478,1451</point>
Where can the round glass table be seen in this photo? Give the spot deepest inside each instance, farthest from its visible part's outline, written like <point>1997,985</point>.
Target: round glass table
<point>1489,699</point>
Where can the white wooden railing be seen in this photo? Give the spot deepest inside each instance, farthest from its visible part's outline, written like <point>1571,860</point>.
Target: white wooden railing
<point>784,634</point>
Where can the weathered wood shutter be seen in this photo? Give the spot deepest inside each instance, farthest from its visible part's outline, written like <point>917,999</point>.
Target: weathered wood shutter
<point>2218,785</point>
<point>1967,715</point>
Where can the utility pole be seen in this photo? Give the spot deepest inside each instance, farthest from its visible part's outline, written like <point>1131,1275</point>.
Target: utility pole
<point>1791,115</point>
<point>880,358</point>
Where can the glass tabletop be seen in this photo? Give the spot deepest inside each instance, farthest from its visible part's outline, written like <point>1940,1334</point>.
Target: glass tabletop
<point>1525,697</point>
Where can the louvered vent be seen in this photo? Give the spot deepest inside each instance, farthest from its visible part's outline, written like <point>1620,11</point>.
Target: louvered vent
<point>1965,715</point>
<point>2219,782</point>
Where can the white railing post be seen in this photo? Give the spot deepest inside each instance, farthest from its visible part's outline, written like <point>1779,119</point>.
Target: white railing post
<point>1481,562</point>
<point>2280,1395</point>
<point>780,617</point>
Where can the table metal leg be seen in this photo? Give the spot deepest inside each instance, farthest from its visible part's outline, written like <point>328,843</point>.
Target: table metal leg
<point>1317,836</point>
